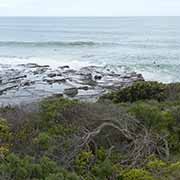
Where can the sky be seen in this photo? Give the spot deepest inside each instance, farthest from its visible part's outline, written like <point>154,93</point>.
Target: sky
<point>89,7</point>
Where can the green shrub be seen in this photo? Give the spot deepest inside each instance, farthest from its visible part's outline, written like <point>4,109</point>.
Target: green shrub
<point>15,167</point>
<point>22,168</point>
<point>63,176</point>
<point>51,109</point>
<point>56,132</point>
<point>152,117</point>
<point>137,174</point>
<point>103,169</point>
<point>61,130</point>
<point>43,140</point>
<point>83,160</point>
<point>164,171</point>
<point>5,138</point>
<point>5,133</point>
<point>139,91</point>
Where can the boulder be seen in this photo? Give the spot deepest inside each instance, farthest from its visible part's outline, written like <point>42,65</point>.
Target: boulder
<point>18,77</point>
<point>34,65</point>
<point>64,67</point>
<point>71,92</point>
<point>97,77</point>
<point>40,70</point>
<point>51,75</point>
<point>52,81</point>
<point>84,88</point>
<point>7,88</point>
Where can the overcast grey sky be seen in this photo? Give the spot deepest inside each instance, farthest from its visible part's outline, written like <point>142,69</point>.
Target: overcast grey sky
<point>89,7</point>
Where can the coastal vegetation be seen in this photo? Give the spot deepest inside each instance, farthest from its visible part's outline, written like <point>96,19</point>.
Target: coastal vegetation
<point>129,134</point>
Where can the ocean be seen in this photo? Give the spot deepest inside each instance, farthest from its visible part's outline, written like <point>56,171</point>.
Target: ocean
<point>147,45</point>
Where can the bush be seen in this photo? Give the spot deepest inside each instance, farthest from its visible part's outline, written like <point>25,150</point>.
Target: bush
<point>164,171</point>
<point>43,140</point>
<point>103,170</point>
<point>14,167</point>
<point>50,110</point>
<point>137,174</point>
<point>152,117</point>
<point>95,141</point>
<point>5,138</point>
<point>5,134</point>
<point>139,91</point>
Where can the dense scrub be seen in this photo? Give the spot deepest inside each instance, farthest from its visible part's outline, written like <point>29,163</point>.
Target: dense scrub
<point>134,135</point>
<point>145,91</point>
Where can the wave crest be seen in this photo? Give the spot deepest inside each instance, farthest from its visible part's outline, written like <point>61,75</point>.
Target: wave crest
<point>53,43</point>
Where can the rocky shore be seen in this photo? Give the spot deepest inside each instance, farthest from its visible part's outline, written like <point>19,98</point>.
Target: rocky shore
<point>26,83</point>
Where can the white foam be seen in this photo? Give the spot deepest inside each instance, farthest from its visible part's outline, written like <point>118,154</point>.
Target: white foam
<point>149,72</point>
<point>52,62</point>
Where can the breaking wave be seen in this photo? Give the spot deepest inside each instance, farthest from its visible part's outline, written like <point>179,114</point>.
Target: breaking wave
<point>55,43</point>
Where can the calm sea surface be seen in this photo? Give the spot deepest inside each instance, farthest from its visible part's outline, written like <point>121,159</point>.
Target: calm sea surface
<point>149,45</point>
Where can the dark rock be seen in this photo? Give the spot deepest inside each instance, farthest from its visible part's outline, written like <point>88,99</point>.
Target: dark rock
<point>40,70</point>
<point>127,76</point>
<point>140,77</point>
<point>71,92</point>
<point>91,83</point>
<point>51,81</point>
<point>88,83</point>
<point>88,77</point>
<point>57,95</point>
<point>34,65</point>
<point>27,83</point>
<point>70,71</point>
<point>97,77</point>
<point>18,77</point>
<point>7,88</point>
<point>51,75</point>
<point>64,67</point>
<point>84,88</point>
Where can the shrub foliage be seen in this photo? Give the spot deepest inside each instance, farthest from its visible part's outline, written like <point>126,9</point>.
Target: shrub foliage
<point>134,137</point>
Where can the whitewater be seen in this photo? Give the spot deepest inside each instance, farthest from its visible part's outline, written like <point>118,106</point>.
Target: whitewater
<point>147,45</point>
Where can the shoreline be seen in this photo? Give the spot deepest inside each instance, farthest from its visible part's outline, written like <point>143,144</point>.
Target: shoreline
<point>28,83</point>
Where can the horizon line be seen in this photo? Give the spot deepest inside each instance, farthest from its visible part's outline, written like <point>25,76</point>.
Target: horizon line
<point>91,16</point>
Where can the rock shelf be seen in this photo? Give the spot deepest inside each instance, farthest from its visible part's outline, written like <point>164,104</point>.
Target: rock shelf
<point>26,83</point>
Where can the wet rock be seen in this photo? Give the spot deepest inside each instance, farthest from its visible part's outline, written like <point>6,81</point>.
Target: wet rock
<point>28,83</point>
<point>40,70</point>
<point>64,67</point>
<point>58,74</point>
<point>92,83</point>
<point>86,88</point>
<point>51,81</point>
<point>32,82</point>
<point>51,75</point>
<point>34,65</point>
<point>127,76</point>
<point>97,77</point>
<point>140,77</point>
<point>18,77</point>
<point>71,92</point>
<point>57,95</point>
<point>86,77</point>
<point>70,71</point>
<point>7,88</point>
